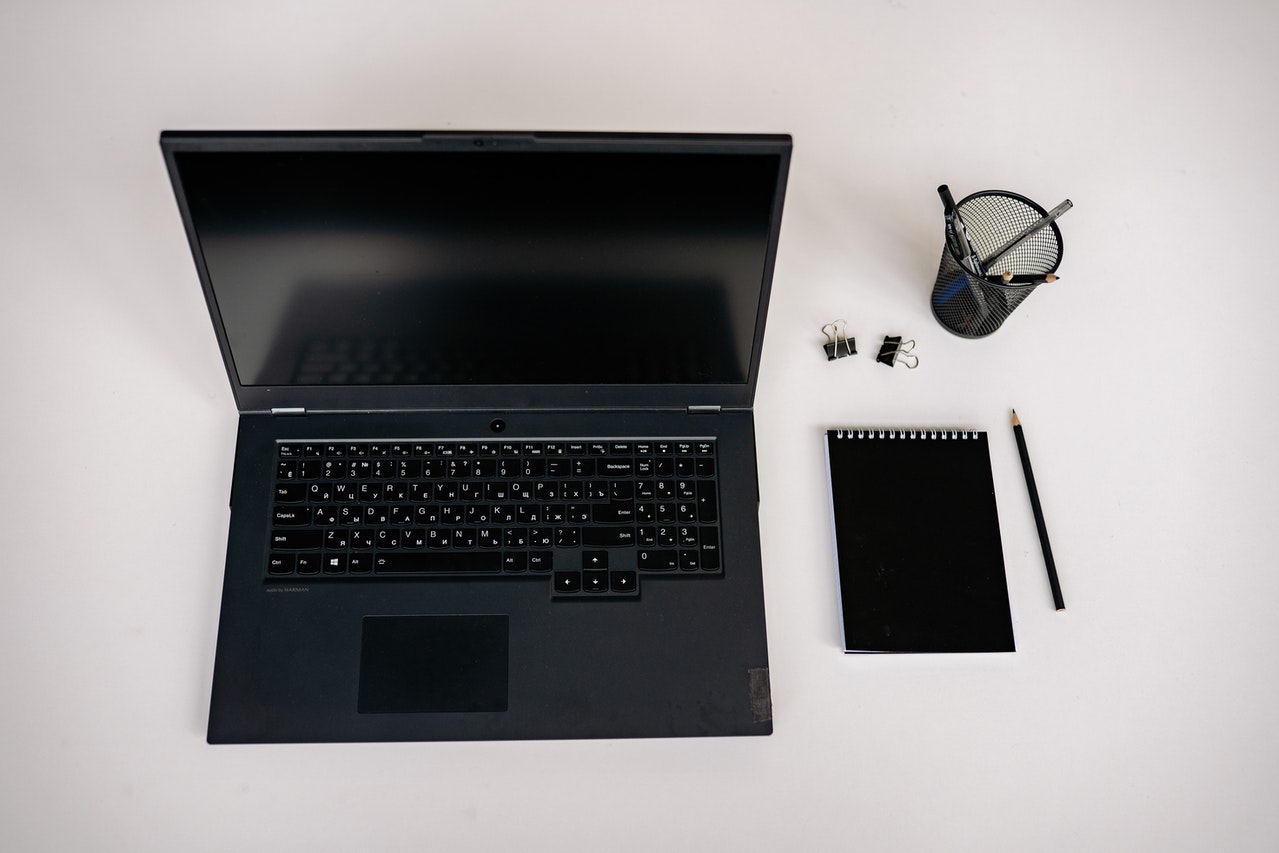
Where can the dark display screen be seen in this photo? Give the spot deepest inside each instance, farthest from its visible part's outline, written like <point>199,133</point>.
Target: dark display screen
<point>445,267</point>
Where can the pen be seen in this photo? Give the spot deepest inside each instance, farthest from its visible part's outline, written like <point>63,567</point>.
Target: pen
<point>1030,232</point>
<point>957,234</point>
<point>1039,514</point>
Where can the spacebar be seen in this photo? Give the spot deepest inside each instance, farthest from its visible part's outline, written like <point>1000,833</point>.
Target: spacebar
<point>427,563</point>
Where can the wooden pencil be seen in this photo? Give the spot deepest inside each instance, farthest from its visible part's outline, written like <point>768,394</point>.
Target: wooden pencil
<point>1039,514</point>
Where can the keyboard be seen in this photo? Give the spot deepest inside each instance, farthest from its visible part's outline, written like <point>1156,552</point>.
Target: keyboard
<point>593,517</point>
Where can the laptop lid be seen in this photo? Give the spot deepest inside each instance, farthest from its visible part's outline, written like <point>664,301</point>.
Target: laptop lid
<point>401,270</point>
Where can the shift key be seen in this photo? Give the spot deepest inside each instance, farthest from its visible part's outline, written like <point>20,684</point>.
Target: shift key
<point>608,537</point>
<point>295,540</point>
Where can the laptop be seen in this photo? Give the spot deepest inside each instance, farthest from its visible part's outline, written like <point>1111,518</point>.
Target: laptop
<point>495,472</point>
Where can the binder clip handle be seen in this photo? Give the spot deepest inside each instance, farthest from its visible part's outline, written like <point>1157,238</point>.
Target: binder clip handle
<point>893,351</point>
<point>838,344</point>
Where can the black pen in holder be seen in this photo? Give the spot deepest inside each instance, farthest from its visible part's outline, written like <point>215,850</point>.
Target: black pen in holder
<point>1013,235</point>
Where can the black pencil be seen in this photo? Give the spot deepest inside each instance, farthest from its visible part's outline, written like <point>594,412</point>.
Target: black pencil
<point>1027,278</point>
<point>1039,513</point>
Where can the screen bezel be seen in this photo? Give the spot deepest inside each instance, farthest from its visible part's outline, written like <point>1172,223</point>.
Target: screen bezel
<point>470,396</point>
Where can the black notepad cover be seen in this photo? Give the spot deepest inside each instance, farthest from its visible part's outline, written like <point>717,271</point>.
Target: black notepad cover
<point>921,565</point>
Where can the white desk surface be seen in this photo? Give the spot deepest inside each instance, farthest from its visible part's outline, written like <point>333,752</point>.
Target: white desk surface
<point>1143,718</point>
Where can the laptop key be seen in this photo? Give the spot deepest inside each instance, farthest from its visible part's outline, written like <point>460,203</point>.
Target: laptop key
<point>709,548</point>
<point>284,539</point>
<point>608,537</point>
<point>707,503</point>
<point>292,516</point>
<point>435,562</point>
<point>290,493</point>
<point>615,513</point>
<point>623,582</point>
<point>656,561</point>
<point>617,468</point>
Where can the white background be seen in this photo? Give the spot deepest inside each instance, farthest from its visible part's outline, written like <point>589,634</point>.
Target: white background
<point>1142,718</point>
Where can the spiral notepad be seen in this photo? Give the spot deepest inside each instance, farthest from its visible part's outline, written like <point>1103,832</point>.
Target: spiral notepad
<point>921,565</point>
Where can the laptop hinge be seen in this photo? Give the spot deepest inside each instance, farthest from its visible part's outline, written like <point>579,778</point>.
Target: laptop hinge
<point>282,412</point>
<point>703,410</point>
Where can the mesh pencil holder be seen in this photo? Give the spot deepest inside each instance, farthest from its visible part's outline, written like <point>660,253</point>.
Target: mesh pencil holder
<point>973,306</point>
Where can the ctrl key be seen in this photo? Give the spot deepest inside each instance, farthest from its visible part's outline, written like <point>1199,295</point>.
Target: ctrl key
<point>281,564</point>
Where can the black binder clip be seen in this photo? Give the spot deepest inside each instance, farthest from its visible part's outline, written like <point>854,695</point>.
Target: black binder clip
<point>838,344</point>
<point>894,350</point>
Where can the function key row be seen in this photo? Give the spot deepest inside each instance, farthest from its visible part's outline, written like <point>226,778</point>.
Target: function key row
<point>467,449</point>
<point>503,468</point>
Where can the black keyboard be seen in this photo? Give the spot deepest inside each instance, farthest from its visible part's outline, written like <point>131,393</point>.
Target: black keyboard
<point>594,517</point>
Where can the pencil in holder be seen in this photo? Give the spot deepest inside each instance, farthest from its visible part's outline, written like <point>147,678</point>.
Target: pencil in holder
<point>973,305</point>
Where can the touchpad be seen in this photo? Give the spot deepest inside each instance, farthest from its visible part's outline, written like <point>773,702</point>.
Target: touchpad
<point>421,664</point>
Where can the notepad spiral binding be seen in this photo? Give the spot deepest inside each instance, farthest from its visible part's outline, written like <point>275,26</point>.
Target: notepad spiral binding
<point>935,434</point>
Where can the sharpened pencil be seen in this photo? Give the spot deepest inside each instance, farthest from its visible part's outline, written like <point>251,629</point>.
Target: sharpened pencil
<point>1039,514</point>
<point>1034,278</point>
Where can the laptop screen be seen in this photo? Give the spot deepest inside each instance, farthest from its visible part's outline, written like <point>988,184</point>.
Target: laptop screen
<point>492,264</point>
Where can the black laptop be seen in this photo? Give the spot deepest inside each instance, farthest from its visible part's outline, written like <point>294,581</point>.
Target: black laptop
<point>495,474</point>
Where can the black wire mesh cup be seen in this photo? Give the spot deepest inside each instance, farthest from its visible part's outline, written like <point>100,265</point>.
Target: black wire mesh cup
<point>974,306</point>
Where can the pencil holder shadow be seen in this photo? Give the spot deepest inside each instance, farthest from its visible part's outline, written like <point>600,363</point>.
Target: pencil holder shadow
<point>974,306</point>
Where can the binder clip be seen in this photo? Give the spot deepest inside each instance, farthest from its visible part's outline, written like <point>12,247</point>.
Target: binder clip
<point>894,350</point>
<point>838,344</point>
